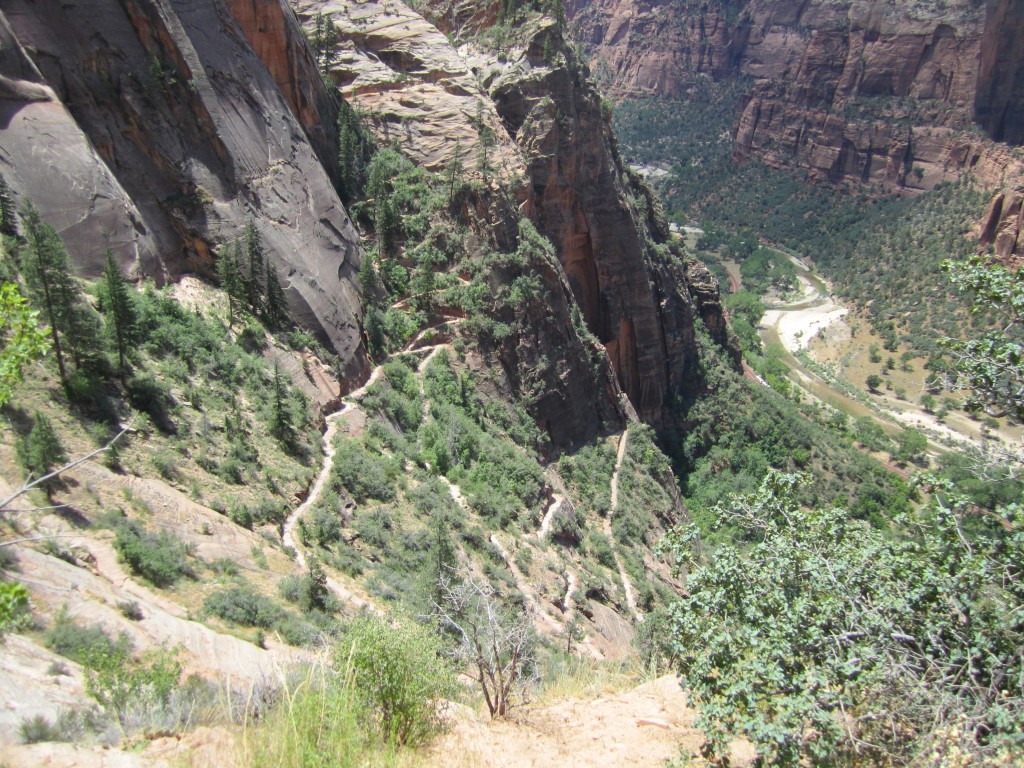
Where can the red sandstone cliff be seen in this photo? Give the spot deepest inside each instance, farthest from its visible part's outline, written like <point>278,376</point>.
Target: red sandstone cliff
<point>554,156</point>
<point>158,128</point>
<point>904,96</point>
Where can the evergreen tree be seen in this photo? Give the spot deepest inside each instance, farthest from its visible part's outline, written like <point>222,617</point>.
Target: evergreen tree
<point>53,289</point>
<point>8,220</point>
<point>322,41</point>
<point>281,425</point>
<point>255,283</point>
<point>276,303</point>
<point>230,274</point>
<point>119,308</point>
<point>388,220</point>
<point>354,151</point>
<point>453,173</point>
<point>487,142</point>
<point>41,451</point>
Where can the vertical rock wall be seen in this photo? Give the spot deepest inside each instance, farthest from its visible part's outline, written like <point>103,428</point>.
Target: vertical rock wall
<point>164,130</point>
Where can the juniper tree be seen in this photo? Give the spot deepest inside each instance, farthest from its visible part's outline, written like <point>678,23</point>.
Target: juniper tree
<point>119,308</point>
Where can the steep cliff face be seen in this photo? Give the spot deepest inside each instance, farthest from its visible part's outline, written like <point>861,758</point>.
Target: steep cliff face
<point>634,294</point>
<point>999,98</point>
<point>156,128</point>
<point>549,151</point>
<point>861,91</point>
<point>650,47</point>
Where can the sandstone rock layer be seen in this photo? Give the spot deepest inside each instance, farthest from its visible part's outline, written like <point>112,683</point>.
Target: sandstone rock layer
<point>898,96</point>
<point>157,128</point>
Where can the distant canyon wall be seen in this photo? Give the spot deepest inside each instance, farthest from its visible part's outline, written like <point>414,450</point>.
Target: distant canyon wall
<point>897,95</point>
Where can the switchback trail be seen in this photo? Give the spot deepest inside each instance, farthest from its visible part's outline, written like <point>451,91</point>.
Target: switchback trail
<point>627,585</point>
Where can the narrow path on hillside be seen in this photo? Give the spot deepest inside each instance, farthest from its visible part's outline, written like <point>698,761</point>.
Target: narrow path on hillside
<point>288,537</point>
<point>627,584</point>
<point>555,503</point>
<point>544,621</point>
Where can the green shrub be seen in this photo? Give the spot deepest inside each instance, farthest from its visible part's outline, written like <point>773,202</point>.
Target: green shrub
<point>319,722</point>
<point>128,688</point>
<point>243,605</point>
<point>399,673</point>
<point>161,558</point>
<point>363,474</point>
<point>78,642</point>
<point>13,606</point>
<point>38,728</point>
<point>828,642</point>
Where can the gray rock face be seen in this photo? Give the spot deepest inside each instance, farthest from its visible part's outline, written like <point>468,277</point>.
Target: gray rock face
<point>162,132</point>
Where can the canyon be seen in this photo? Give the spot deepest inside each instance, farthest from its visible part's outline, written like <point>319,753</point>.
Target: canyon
<point>891,97</point>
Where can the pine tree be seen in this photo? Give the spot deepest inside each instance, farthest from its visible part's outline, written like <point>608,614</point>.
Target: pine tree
<point>119,308</point>
<point>487,142</point>
<point>230,275</point>
<point>8,219</point>
<point>322,41</point>
<point>277,302</point>
<point>354,150</point>
<point>41,450</point>
<point>53,289</point>
<point>281,425</point>
<point>255,283</point>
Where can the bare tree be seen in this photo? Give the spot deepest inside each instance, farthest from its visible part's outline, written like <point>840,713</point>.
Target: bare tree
<point>499,643</point>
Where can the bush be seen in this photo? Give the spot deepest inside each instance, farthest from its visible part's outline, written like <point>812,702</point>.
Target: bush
<point>827,641</point>
<point>131,610</point>
<point>162,558</point>
<point>363,474</point>
<point>38,728</point>
<point>243,605</point>
<point>399,674</point>
<point>79,643</point>
<point>132,689</point>
<point>319,722</point>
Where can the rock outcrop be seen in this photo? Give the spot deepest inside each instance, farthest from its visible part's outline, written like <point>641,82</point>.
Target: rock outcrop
<point>855,91</point>
<point>634,292</point>
<point>157,128</point>
<point>552,153</point>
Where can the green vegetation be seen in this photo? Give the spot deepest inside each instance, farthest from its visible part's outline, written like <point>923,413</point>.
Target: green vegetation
<point>73,325</point>
<point>242,604</point>
<point>828,640</point>
<point>400,675</point>
<point>738,432</point>
<point>160,558</point>
<point>825,639</point>
<point>883,253</point>
<point>21,338</point>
